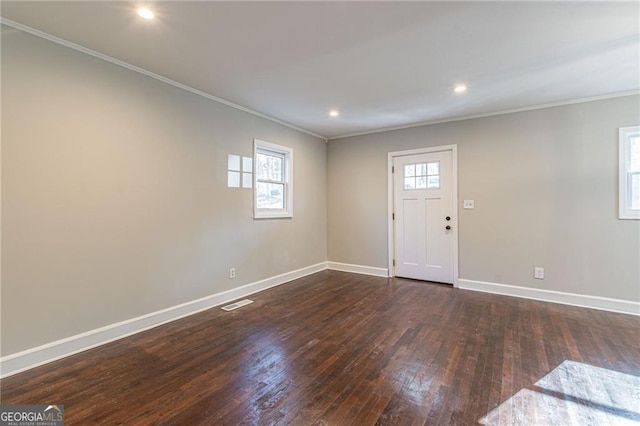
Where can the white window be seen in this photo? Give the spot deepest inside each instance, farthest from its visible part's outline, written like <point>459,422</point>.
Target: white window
<point>629,169</point>
<point>273,189</point>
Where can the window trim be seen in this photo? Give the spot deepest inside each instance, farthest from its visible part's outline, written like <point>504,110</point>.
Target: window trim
<point>287,154</point>
<point>624,143</point>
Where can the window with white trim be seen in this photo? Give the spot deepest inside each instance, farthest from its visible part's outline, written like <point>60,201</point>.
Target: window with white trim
<point>629,169</point>
<point>273,188</point>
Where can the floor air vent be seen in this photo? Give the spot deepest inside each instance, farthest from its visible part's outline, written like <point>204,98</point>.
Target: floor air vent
<point>237,305</point>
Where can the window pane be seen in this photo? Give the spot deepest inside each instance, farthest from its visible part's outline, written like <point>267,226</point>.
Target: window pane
<point>433,169</point>
<point>262,194</point>
<point>421,169</point>
<point>634,154</point>
<point>269,167</point>
<point>261,166</point>
<point>270,195</point>
<point>634,191</point>
<point>421,182</point>
<point>629,171</point>
<point>409,170</point>
<point>433,182</point>
<point>276,196</point>
<point>409,183</point>
<point>275,168</point>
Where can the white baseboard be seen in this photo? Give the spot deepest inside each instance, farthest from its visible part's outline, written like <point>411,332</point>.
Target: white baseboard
<point>34,357</point>
<point>358,269</point>
<point>594,302</point>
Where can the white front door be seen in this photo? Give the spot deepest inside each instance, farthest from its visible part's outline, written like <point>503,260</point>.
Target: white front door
<point>423,216</point>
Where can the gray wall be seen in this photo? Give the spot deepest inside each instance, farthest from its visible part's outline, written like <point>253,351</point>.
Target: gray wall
<point>114,197</point>
<point>545,189</point>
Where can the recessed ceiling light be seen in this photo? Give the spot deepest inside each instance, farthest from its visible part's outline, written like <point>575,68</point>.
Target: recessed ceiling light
<point>460,88</point>
<point>145,13</point>
<point>334,113</point>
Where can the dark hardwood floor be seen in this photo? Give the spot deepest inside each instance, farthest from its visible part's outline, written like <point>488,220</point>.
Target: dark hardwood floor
<point>339,349</point>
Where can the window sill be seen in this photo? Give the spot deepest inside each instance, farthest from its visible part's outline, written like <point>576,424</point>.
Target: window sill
<point>273,215</point>
<point>627,216</point>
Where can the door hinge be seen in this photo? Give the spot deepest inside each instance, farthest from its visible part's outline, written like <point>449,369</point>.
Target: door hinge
<point>394,262</point>
<point>393,216</point>
<point>393,169</point>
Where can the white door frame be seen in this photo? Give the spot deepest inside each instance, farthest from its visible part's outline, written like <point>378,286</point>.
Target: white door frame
<point>391,234</point>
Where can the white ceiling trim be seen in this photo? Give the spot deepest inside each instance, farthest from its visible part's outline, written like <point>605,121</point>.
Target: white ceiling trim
<point>143,71</point>
<point>492,114</point>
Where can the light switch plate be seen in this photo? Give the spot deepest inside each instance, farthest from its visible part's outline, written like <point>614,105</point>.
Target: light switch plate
<point>468,204</point>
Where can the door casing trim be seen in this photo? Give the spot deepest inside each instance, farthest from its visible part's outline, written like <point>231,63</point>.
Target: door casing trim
<point>454,183</point>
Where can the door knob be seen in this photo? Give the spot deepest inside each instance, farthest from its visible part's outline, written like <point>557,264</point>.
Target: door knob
<point>447,227</point>
<point>447,218</point>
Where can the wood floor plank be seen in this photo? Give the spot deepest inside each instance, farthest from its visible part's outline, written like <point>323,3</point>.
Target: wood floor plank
<point>336,348</point>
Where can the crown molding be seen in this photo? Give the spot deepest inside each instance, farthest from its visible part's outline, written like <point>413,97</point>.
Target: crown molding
<point>86,50</point>
<point>182,86</point>
<point>492,114</point>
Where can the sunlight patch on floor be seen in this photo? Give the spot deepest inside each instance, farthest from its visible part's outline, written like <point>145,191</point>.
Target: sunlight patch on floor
<point>573,394</point>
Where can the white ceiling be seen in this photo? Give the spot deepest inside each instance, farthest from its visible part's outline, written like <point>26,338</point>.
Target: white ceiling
<point>381,64</point>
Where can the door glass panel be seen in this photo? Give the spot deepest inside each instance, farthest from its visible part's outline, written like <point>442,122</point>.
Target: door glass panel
<point>409,176</point>
<point>422,175</point>
<point>433,175</point>
<point>409,183</point>
<point>409,170</point>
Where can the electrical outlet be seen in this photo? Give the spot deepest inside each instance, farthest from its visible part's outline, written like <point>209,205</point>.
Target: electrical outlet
<point>538,273</point>
<point>468,204</point>
<point>232,273</point>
